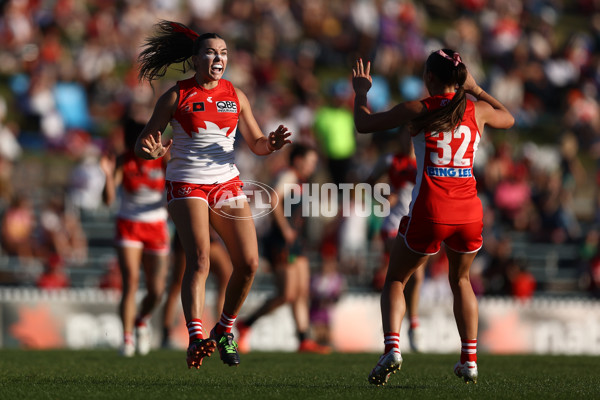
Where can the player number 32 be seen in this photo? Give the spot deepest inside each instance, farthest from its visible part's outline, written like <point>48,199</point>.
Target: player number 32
<point>446,157</point>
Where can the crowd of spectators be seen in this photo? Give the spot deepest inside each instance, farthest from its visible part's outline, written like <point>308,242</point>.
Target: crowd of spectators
<point>68,78</point>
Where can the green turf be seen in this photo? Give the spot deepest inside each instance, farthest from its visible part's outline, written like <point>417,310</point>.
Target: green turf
<point>163,375</point>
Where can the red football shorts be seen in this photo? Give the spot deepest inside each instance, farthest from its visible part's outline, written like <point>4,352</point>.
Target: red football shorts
<point>212,194</point>
<point>426,237</point>
<point>153,237</point>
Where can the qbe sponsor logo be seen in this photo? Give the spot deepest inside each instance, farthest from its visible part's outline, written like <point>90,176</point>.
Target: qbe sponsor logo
<point>226,106</point>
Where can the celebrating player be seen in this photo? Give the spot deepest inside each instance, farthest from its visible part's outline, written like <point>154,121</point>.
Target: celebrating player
<point>203,184</point>
<point>446,128</point>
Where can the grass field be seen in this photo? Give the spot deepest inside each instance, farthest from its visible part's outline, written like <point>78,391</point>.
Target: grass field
<point>163,375</point>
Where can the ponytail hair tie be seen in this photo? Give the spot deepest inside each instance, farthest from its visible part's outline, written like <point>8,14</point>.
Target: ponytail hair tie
<point>177,27</point>
<point>455,57</point>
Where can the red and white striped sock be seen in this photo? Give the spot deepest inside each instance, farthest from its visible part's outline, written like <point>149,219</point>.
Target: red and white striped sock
<point>225,323</point>
<point>195,329</point>
<point>391,341</point>
<point>468,351</point>
<point>128,337</point>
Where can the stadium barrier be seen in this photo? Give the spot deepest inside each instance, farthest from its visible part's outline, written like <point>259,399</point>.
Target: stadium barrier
<point>87,318</point>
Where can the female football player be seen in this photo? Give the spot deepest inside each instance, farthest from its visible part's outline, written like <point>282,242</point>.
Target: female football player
<point>445,128</point>
<point>203,184</point>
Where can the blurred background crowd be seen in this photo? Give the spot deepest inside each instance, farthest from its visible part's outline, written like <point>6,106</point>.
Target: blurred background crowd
<point>68,86</point>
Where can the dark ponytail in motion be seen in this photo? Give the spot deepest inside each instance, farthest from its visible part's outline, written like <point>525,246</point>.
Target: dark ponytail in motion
<point>447,66</point>
<point>173,43</point>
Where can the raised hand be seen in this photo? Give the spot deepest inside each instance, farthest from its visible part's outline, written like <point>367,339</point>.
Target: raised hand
<point>279,138</point>
<point>361,78</point>
<point>108,164</point>
<point>152,145</point>
<point>471,86</point>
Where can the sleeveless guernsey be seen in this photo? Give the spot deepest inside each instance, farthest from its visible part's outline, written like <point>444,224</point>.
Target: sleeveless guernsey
<point>204,127</point>
<point>445,191</point>
<point>143,190</point>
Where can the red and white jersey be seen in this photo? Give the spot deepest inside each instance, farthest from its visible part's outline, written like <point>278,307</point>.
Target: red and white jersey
<point>204,127</point>
<point>402,174</point>
<point>402,170</point>
<point>445,191</point>
<point>143,197</point>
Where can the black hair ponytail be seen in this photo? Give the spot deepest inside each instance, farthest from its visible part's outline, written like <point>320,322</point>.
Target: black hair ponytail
<point>173,43</point>
<point>447,66</point>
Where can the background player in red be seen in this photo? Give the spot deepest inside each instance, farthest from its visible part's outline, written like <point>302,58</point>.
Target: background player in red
<point>203,185</point>
<point>400,170</point>
<point>142,237</point>
<point>286,252</point>
<point>446,129</point>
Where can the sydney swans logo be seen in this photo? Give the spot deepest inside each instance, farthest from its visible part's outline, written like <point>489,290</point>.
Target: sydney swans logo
<point>261,198</point>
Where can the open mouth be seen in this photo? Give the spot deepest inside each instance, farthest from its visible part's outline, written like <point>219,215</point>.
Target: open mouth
<point>217,68</point>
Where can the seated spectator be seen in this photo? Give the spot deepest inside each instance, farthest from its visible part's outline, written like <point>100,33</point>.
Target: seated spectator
<point>54,275</point>
<point>18,224</point>
<point>62,233</point>
<point>513,197</point>
<point>523,283</point>
<point>112,280</point>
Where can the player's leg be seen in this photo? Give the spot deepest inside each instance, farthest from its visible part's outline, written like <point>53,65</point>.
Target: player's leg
<point>155,238</point>
<point>129,265</point>
<point>411,294</point>
<point>403,263</point>
<point>300,270</point>
<point>300,278</point>
<point>285,292</point>
<point>461,249</point>
<point>155,272</point>
<point>174,291</point>
<point>234,224</point>
<point>191,221</point>
<point>221,269</point>
<point>466,312</point>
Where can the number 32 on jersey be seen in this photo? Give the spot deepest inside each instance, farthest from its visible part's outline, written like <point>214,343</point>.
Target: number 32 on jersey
<point>454,148</point>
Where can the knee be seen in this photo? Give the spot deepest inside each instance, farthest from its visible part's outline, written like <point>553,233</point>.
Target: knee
<point>248,267</point>
<point>153,297</point>
<point>156,290</point>
<point>199,264</point>
<point>456,282</point>
<point>130,284</point>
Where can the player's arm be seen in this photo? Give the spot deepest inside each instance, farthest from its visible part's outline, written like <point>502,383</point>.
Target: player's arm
<point>279,218</point>
<point>488,110</point>
<point>399,115</point>
<point>253,135</point>
<point>366,121</point>
<point>381,166</point>
<point>149,143</point>
<point>112,168</point>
